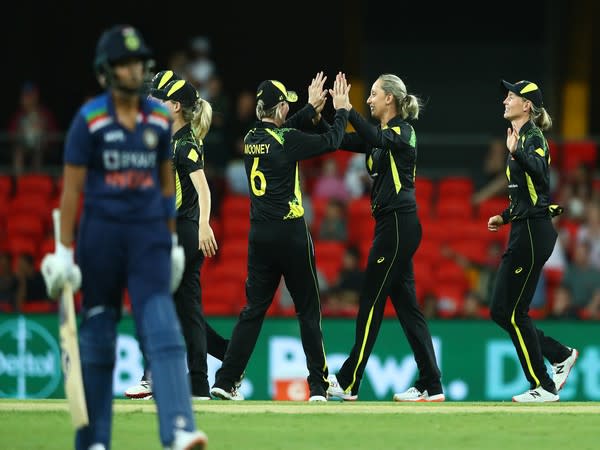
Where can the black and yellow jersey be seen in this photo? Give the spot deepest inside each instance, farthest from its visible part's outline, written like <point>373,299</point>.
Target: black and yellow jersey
<point>390,158</point>
<point>187,157</point>
<point>528,176</point>
<point>271,156</point>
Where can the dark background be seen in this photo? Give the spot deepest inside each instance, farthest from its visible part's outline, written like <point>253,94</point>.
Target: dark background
<point>450,54</point>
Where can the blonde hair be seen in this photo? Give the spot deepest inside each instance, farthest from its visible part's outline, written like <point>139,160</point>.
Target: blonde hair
<point>408,105</point>
<point>270,113</point>
<point>540,117</point>
<point>200,116</point>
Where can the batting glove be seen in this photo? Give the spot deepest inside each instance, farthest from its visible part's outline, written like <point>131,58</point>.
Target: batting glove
<point>177,263</point>
<point>59,267</point>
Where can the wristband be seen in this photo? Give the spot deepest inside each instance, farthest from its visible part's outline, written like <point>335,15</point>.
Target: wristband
<point>169,207</point>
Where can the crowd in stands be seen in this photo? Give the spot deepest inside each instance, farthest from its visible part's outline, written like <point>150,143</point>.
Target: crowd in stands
<point>454,266</point>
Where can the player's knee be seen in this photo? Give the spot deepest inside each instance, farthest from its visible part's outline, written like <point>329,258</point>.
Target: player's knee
<point>98,336</point>
<point>161,331</point>
<point>499,315</point>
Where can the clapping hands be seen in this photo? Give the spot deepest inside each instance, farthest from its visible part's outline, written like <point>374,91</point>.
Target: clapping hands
<point>340,92</point>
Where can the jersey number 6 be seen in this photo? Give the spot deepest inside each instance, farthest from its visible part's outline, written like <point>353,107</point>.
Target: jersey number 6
<point>258,188</point>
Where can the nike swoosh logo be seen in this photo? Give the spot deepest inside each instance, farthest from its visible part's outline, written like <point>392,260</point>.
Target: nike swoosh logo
<point>380,260</point>
<point>519,270</point>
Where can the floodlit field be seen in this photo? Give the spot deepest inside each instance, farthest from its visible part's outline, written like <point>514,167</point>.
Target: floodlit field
<point>260,425</point>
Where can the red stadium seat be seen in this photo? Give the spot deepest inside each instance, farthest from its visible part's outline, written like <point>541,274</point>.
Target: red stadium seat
<point>237,206</point>
<point>456,185</point>
<point>359,208</point>
<point>235,227</point>
<point>26,225</point>
<point>424,188</point>
<point>575,153</point>
<point>19,244</point>
<point>491,207</point>
<point>319,206</point>
<point>328,255</point>
<point>361,229</point>
<point>6,186</point>
<point>454,208</point>
<point>42,184</point>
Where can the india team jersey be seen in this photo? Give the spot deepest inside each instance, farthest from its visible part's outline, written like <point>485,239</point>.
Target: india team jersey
<point>122,180</point>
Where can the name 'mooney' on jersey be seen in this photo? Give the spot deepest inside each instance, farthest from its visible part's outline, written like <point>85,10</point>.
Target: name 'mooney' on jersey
<point>122,165</point>
<point>272,177</point>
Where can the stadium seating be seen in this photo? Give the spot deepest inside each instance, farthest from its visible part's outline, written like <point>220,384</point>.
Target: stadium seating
<point>42,184</point>
<point>575,153</point>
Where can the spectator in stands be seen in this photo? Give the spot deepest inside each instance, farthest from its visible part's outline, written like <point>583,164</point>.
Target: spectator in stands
<point>30,283</point>
<point>592,309</point>
<point>330,184</point>
<point>491,181</point>
<point>240,123</point>
<point>590,231</point>
<point>576,192</point>
<point>357,179</point>
<point>33,129</point>
<point>8,284</point>
<point>581,278</point>
<point>201,67</point>
<point>216,142</point>
<point>562,305</point>
<point>343,296</point>
<point>485,271</point>
<point>430,306</point>
<point>472,306</point>
<point>333,225</point>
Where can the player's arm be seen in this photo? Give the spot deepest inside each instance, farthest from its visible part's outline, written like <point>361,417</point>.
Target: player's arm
<point>73,181</point>
<point>206,237</point>
<point>352,142</point>
<point>398,137</point>
<point>167,185</point>
<point>78,148</point>
<point>532,158</point>
<point>299,145</point>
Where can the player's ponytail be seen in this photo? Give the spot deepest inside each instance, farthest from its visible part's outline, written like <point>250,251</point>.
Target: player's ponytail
<point>202,118</point>
<point>540,117</point>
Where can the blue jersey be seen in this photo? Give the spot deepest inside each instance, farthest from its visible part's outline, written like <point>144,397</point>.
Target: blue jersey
<point>122,181</point>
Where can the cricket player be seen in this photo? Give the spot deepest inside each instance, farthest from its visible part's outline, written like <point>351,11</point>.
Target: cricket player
<point>118,154</point>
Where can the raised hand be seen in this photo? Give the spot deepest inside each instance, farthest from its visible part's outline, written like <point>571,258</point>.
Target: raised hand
<point>512,138</point>
<point>316,94</point>
<point>340,91</point>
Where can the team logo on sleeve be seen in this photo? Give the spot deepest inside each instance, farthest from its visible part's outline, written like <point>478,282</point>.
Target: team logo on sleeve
<point>150,138</point>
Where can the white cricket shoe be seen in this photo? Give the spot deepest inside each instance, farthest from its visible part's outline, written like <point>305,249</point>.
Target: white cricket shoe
<point>140,391</point>
<point>335,390</point>
<point>537,395</point>
<point>222,394</point>
<point>317,398</point>
<point>189,440</point>
<point>200,397</point>
<point>561,370</point>
<point>412,394</point>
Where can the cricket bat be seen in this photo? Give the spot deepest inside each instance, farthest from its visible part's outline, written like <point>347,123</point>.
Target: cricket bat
<point>69,347</point>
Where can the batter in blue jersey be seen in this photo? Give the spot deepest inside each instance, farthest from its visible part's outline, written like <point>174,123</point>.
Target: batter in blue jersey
<point>117,154</point>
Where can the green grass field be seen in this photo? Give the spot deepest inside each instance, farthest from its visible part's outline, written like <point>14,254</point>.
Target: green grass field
<point>254,425</point>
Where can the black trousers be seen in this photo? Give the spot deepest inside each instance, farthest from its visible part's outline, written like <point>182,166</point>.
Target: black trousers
<point>276,249</point>
<point>390,273</point>
<point>530,245</point>
<point>200,338</point>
